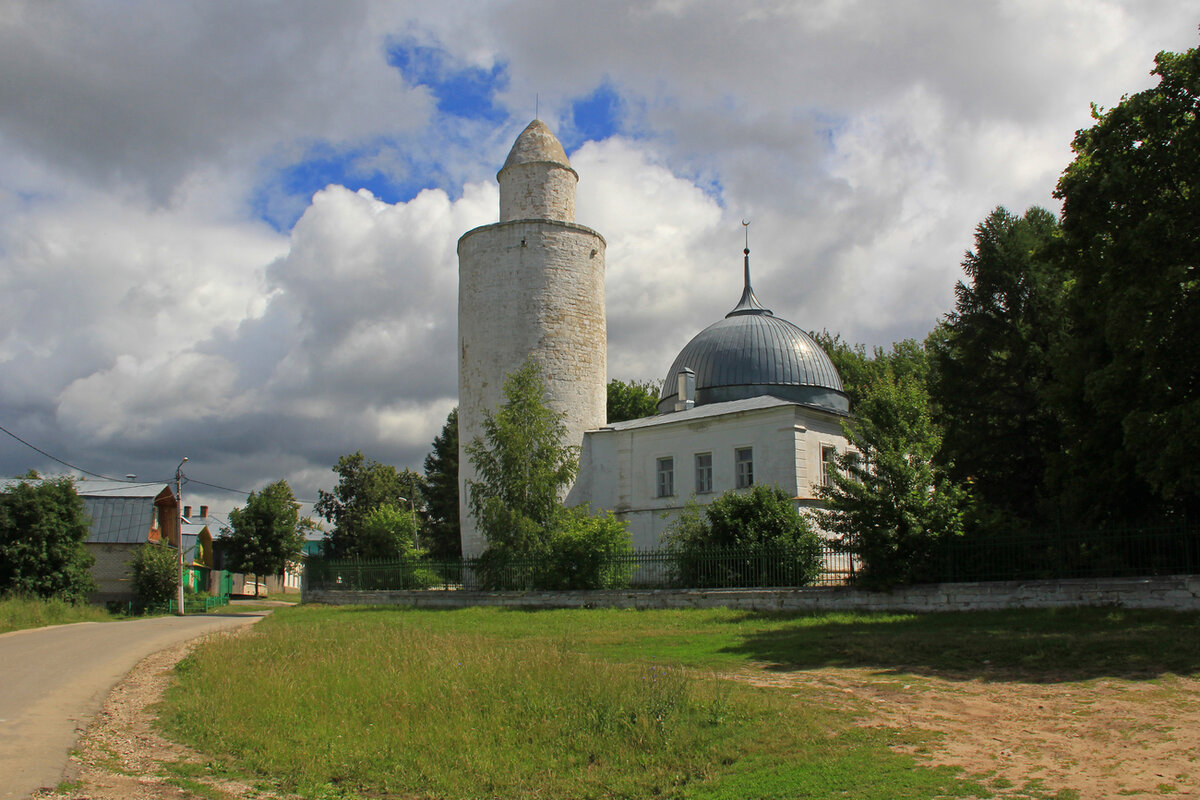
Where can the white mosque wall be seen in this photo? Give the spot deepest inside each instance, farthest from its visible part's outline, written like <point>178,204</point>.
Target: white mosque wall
<point>619,465</point>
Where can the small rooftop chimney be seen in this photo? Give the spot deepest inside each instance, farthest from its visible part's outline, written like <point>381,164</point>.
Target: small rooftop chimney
<point>187,511</point>
<point>204,511</point>
<point>686,390</point>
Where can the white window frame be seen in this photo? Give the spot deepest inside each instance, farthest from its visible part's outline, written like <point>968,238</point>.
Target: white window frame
<point>828,464</point>
<point>743,467</point>
<point>704,474</point>
<point>664,476</point>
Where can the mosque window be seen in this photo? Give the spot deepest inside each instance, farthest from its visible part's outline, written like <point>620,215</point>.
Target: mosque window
<point>703,473</point>
<point>828,464</point>
<point>743,458</point>
<point>666,477</point>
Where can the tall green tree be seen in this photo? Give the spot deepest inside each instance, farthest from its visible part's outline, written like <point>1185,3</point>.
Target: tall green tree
<point>266,534</point>
<point>1131,229</point>
<point>363,485</point>
<point>43,525</point>
<point>890,503</point>
<point>523,466</point>
<point>442,535</point>
<point>991,365</point>
<point>859,368</point>
<point>632,400</point>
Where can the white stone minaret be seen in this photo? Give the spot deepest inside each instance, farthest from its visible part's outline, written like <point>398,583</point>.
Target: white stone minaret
<point>530,285</point>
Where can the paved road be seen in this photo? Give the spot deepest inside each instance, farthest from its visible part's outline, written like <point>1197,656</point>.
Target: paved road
<point>54,680</point>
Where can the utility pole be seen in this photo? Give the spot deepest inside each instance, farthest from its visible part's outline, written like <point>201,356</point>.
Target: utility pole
<point>179,529</point>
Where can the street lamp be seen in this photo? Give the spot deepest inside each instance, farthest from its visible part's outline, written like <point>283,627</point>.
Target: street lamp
<point>413,508</point>
<point>179,529</point>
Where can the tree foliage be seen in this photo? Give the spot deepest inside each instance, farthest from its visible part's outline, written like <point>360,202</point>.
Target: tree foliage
<point>388,532</point>
<point>760,526</point>
<point>859,368</point>
<point>43,525</point>
<point>524,467</point>
<point>155,572</point>
<point>889,502</point>
<point>1131,229</point>
<point>442,535</point>
<point>992,365</point>
<point>267,533</point>
<point>632,400</point>
<point>363,485</point>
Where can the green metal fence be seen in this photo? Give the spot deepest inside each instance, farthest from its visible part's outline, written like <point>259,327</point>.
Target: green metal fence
<point>647,569</point>
<point>1115,553</point>
<point>1009,556</point>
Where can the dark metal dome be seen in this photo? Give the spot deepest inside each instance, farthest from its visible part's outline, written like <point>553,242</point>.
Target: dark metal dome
<point>752,353</point>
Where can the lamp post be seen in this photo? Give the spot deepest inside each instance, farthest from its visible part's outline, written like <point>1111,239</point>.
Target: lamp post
<point>179,529</point>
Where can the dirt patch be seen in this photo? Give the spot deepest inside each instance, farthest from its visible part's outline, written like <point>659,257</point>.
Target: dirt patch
<point>1101,738</point>
<point>122,757</point>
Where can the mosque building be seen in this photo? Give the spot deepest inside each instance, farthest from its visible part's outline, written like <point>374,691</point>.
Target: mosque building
<point>751,399</point>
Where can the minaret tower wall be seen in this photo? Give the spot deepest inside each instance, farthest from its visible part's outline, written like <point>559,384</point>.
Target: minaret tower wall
<point>530,286</point>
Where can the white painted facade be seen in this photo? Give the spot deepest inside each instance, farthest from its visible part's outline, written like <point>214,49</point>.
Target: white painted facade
<point>619,466</point>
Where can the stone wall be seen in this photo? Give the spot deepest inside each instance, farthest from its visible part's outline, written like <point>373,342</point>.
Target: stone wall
<point>112,571</point>
<point>1181,593</point>
<point>529,289</point>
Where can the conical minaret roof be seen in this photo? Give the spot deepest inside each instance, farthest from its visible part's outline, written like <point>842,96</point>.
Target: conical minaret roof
<point>536,144</point>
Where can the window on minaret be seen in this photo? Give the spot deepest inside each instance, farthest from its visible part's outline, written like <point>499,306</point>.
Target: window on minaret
<point>703,473</point>
<point>666,477</point>
<point>828,464</point>
<point>743,459</point>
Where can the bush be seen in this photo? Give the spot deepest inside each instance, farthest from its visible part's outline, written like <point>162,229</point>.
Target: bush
<point>582,551</point>
<point>586,552</point>
<point>155,574</point>
<point>43,525</point>
<point>754,538</point>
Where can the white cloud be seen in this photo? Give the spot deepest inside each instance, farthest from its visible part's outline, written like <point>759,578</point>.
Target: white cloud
<point>146,311</point>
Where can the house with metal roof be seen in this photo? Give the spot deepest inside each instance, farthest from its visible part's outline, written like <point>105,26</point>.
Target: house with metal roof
<point>125,515</point>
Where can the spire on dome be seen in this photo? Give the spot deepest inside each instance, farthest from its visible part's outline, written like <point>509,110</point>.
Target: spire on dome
<point>749,303</point>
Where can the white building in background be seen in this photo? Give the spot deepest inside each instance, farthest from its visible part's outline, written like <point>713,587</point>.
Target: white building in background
<point>752,399</point>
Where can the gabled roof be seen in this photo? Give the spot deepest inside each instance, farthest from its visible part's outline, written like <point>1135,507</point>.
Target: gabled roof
<point>121,511</point>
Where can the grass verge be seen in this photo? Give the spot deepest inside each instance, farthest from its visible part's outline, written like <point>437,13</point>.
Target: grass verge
<point>20,613</point>
<point>383,702</point>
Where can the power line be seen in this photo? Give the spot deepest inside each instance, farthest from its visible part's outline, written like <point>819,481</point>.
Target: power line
<point>59,460</point>
<point>127,480</point>
<point>235,491</point>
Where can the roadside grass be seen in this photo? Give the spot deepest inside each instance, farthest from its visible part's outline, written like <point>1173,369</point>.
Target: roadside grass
<point>21,613</point>
<point>345,702</point>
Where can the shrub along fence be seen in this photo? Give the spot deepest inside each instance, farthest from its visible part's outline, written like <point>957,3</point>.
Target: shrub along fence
<point>1037,556</point>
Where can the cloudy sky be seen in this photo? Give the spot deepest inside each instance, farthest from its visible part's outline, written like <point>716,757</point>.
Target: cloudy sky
<point>228,229</point>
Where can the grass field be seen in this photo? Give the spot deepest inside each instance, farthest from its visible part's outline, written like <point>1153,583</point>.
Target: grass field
<point>18,613</point>
<point>377,702</point>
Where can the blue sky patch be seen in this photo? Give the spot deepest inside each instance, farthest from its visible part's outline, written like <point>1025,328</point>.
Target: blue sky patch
<point>460,90</point>
<point>282,197</point>
<point>594,117</point>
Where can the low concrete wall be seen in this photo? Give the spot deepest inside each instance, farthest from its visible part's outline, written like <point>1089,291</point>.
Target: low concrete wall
<point>1181,592</point>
